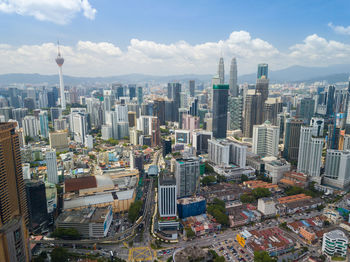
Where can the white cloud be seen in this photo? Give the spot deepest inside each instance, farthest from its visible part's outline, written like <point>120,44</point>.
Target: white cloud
<point>340,29</point>
<point>88,58</point>
<point>56,11</point>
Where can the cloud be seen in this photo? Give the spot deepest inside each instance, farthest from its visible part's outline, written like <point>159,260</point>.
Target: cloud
<point>56,11</point>
<point>87,58</point>
<point>340,29</point>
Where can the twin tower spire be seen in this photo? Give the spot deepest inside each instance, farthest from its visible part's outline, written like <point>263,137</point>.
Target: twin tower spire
<point>233,75</point>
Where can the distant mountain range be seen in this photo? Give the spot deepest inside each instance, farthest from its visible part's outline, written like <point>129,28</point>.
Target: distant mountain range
<point>331,74</point>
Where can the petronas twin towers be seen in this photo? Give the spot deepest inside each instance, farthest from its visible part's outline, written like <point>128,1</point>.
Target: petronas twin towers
<point>233,75</point>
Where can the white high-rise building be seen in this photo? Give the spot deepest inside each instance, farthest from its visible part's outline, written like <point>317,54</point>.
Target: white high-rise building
<point>337,171</point>
<point>79,127</point>
<point>318,125</point>
<point>30,126</point>
<point>51,164</point>
<point>224,152</point>
<point>167,195</point>
<point>106,131</point>
<point>60,61</point>
<point>121,113</point>
<point>266,139</point>
<point>60,124</point>
<point>144,123</point>
<point>221,71</point>
<point>346,142</point>
<point>234,90</point>
<point>310,153</point>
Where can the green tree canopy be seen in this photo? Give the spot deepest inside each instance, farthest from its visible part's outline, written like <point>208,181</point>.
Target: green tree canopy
<point>134,210</point>
<point>59,254</point>
<point>263,256</point>
<point>208,180</point>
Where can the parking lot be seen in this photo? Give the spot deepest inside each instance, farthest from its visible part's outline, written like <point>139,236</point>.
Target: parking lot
<point>232,251</point>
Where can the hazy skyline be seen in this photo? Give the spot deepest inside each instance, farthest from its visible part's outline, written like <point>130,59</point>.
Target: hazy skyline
<point>104,38</point>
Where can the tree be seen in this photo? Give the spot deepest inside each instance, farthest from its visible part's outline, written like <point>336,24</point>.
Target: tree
<point>263,256</point>
<point>134,210</point>
<point>244,178</point>
<point>326,223</point>
<point>208,180</point>
<point>261,192</point>
<point>220,259</point>
<point>247,198</point>
<point>208,168</point>
<point>59,254</point>
<point>67,233</point>
<point>189,232</point>
<point>294,190</point>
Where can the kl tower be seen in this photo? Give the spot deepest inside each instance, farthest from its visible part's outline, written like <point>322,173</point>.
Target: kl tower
<point>60,61</point>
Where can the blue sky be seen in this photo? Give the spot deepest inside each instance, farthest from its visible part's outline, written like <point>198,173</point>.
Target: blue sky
<point>290,31</point>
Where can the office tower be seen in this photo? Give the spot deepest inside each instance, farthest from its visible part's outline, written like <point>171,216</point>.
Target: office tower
<point>29,103</point>
<point>220,101</point>
<point>337,169</point>
<point>7,112</point>
<point>60,61</point>
<point>251,117</point>
<point>291,139</point>
<point>44,124</point>
<point>132,91</point>
<point>194,107</point>
<point>13,97</point>
<point>51,164</point>
<point>182,112</point>
<point>166,147</point>
<point>106,132</point>
<point>221,71</point>
<point>42,99</point>
<point>175,90</point>
<point>310,153</point>
<point>37,204</point>
<point>187,176</point>
<point>134,136</point>
<point>190,122</point>
<point>335,243</point>
<point>200,141</point>
<point>234,91</point>
<point>272,107</point>
<point>330,100</point>
<point>79,127</point>
<point>119,90</point>
<point>167,195</point>
<point>306,109</point>
<point>30,126</point>
<point>265,140</point>
<point>14,244</point>
<point>333,136</point>
<point>225,152</point>
<point>59,141</point>
<point>183,100</point>
<point>318,125</point>
<point>56,113</point>
<point>159,110</point>
<point>139,95</point>
<point>155,138</point>
<point>262,87</point>
<point>144,123</point>
<point>263,70</point>
<point>192,86</point>
<point>132,119</point>
<point>235,108</point>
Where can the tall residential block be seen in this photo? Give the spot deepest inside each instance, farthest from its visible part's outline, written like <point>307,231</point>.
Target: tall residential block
<point>265,140</point>
<point>337,170</point>
<point>252,116</point>
<point>225,152</point>
<point>51,164</point>
<point>235,109</point>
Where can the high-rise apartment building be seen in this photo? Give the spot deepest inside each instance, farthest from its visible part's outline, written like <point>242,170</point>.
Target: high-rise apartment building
<point>225,152</point>
<point>174,90</point>
<point>235,110</point>
<point>79,127</point>
<point>234,90</point>
<point>310,153</point>
<point>30,126</point>
<point>167,195</point>
<point>220,102</point>
<point>335,243</point>
<point>155,137</point>
<point>200,141</point>
<point>272,107</point>
<point>51,164</point>
<point>265,140</point>
<point>192,86</point>
<point>159,110</point>
<point>187,176</point>
<point>14,244</point>
<point>337,170</point>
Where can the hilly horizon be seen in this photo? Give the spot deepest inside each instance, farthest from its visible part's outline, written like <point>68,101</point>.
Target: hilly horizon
<point>331,74</point>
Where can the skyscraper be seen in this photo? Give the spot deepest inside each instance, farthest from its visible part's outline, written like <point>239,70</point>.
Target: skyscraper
<point>306,109</point>
<point>337,170</point>
<point>235,108</point>
<point>252,116</point>
<point>167,195</point>
<point>44,124</point>
<point>60,61</point>
<point>310,153</point>
<point>220,101</point>
<point>14,245</point>
<point>187,176</point>
<point>175,90</point>
<point>221,71</point>
<point>263,70</point>
<point>291,139</point>
<point>30,126</point>
<point>233,78</point>
<point>139,95</point>
<point>51,164</point>
<point>192,87</point>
